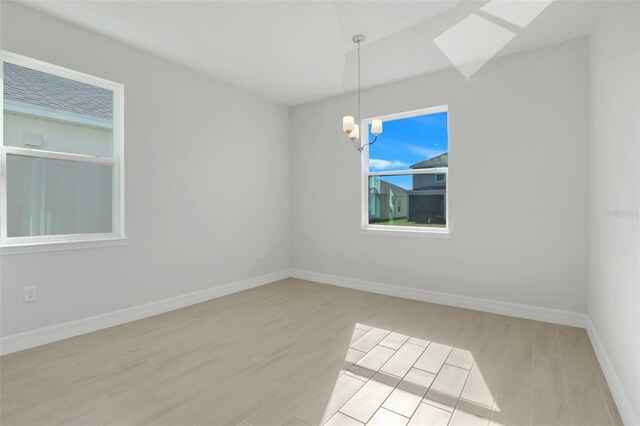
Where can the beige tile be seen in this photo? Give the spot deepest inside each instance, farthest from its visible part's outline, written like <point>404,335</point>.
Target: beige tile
<point>545,339</point>
<point>433,357</point>
<point>329,370</point>
<point>479,390</point>
<point>587,406</point>
<point>511,410</point>
<point>356,334</point>
<point>116,409</point>
<point>340,419</point>
<point>286,404</point>
<point>363,327</point>
<point>428,415</point>
<point>394,340</point>
<point>6,402</point>
<point>360,373</point>
<point>579,370</point>
<point>460,358</point>
<point>419,342</point>
<point>519,350</point>
<point>178,368</point>
<point>320,408</point>
<point>370,339</point>
<point>407,396</point>
<point>65,414</point>
<point>464,418</point>
<point>402,361</point>
<point>549,407</point>
<point>517,382</point>
<point>158,409</point>
<point>375,358</point>
<point>549,402</point>
<point>35,413</point>
<point>387,418</point>
<point>447,386</point>
<point>369,398</point>
<point>292,421</point>
<point>494,345</point>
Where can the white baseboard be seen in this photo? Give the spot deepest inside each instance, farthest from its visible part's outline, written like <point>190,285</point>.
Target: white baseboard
<point>575,319</point>
<point>41,336</point>
<point>627,412</point>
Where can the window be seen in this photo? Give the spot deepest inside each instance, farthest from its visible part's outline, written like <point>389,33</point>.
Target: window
<point>61,155</point>
<point>407,166</point>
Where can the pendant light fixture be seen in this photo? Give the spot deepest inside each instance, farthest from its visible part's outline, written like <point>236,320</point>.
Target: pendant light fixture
<point>349,126</point>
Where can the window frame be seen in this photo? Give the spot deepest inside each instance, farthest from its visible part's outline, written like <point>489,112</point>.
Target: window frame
<point>35,243</point>
<point>392,230</point>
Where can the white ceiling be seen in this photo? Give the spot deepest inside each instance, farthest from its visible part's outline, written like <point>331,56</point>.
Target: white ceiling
<point>294,52</point>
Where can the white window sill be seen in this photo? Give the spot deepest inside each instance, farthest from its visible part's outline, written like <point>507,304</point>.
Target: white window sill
<point>27,248</point>
<point>398,231</point>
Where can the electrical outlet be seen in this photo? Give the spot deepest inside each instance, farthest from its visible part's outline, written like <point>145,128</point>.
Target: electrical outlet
<point>403,262</point>
<point>261,254</point>
<point>30,294</point>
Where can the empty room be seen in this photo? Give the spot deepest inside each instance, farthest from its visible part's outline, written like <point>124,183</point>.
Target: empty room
<point>301,213</point>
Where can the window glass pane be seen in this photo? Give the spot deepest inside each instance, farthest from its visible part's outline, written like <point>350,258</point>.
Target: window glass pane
<point>57,197</point>
<point>410,143</point>
<point>46,112</point>
<point>407,200</point>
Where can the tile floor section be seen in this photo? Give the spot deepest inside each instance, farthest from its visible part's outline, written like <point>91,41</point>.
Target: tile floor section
<point>303,353</point>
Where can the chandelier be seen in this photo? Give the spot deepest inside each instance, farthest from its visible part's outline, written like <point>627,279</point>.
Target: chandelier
<point>348,123</point>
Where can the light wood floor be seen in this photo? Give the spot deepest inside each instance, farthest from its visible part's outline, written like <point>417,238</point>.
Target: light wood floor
<point>302,353</point>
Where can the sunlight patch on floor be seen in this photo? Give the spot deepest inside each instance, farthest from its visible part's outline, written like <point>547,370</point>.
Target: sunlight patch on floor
<point>396,379</point>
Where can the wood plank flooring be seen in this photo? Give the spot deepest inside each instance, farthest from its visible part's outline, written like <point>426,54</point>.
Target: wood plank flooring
<point>300,353</point>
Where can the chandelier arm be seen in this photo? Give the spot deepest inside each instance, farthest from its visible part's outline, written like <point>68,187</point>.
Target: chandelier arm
<point>370,143</point>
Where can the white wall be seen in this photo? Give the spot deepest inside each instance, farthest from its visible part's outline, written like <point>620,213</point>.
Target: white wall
<point>614,279</point>
<point>519,158</point>
<point>206,184</point>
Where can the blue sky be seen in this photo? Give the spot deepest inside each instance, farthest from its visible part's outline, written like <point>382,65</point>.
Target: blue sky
<point>408,141</point>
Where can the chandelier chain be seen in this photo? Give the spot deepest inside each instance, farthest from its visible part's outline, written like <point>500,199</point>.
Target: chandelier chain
<point>359,111</point>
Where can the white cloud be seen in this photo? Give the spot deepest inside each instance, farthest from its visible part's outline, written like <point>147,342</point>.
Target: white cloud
<point>377,164</point>
<point>425,152</point>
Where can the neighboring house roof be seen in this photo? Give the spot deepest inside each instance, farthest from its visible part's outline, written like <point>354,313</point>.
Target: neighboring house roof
<point>27,86</point>
<point>441,160</point>
<point>386,186</point>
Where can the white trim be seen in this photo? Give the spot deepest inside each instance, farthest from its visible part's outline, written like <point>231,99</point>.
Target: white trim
<point>557,316</point>
<point>434,170</point>
<point>39,247</point>
<point>406,231</point>
<point>623,403</point>
<point>54,155</point>
<point>118,216</point>
<point>365,174</point>
<point>408,114</point>
<point>41,336</point>
<point>27,62</point>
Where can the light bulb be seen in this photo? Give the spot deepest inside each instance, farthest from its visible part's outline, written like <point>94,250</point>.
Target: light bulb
<point>376,127</point>
<point>355,133</point>
<point>347,124</point>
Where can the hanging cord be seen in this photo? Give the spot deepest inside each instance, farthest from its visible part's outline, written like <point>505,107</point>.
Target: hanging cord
<point>358,144</point>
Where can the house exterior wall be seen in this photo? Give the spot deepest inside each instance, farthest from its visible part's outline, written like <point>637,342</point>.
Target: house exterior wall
<point>392,200</point>
<point>58,136</point>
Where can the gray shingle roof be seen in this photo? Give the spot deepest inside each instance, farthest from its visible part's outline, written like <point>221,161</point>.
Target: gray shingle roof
<point>46,90</point>
<point>441,160</point>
